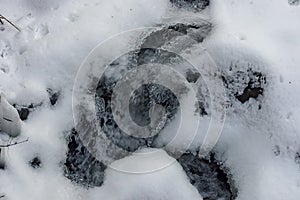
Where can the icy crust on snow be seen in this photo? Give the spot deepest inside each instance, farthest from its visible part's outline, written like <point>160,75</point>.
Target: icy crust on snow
<point>259,143</point>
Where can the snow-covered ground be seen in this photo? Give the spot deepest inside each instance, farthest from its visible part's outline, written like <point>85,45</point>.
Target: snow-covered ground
<point>260,147</point>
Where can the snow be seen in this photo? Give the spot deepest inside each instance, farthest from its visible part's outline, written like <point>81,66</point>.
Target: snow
<point>268,29</point>
<point>145,183</point>
<point>57,35</point>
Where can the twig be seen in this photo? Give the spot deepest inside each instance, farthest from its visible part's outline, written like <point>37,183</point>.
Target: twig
<point>2,195</point>
<point>4,18</point>
<point>12,144</point>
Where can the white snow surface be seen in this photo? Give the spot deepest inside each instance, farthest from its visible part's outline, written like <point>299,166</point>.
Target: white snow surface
<point>57,35</point>
<point>169,182</point>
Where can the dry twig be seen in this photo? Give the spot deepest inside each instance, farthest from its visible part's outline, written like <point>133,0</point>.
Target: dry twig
<point>12,144</point>
<point>7,20</point>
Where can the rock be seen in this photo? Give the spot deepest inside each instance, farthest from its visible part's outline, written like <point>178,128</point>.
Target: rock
<point>249,93</point>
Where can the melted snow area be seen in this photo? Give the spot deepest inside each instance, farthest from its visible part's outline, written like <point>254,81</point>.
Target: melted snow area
<point>254,43</point>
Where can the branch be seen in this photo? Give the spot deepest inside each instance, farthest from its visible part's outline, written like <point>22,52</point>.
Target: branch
<point>4,18</point>
<point>2,195</point>
<point>13,144</point>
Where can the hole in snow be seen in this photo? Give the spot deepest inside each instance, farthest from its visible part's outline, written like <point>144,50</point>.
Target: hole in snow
<point>35,162</point>
<point>53,96</point>
<point>244,85</point>
<point>25,110</point>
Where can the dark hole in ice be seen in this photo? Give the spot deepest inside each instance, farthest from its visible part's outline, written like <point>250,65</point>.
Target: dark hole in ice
<point>244,85</point>
<point>53,96</point>
<point>250,93</point>
<point>192,76</point>
<point>208,176</point>
<point>254,87</point>
<point>202,108</point>
<point>23,113</point>
<point>36,162</point>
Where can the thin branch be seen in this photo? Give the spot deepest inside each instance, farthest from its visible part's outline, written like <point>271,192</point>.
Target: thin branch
<point>2,195</point>
<point>16,143</point>
<point>4,18</point>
